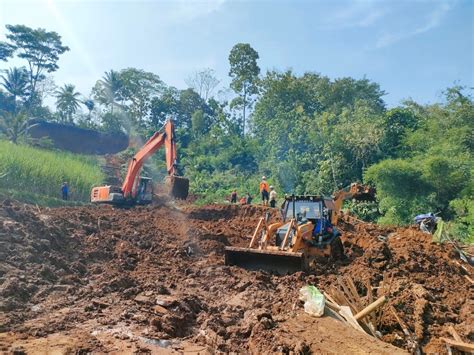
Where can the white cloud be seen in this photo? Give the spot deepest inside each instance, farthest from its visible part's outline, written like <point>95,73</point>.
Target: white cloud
<point>354,14</point>
<point>433,20</point>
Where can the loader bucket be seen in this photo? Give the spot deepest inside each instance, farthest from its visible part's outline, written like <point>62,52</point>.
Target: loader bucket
<point>178,187</point>
<point>274,261</point>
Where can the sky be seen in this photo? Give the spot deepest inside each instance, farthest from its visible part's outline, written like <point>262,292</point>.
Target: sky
<point>413,49</point>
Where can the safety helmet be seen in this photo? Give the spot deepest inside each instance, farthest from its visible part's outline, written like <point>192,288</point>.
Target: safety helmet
<point>263,177</point>
<point>271,187</point>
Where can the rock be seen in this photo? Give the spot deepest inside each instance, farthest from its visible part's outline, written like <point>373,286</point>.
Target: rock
<point>159,309</point>
<point>267,322</point>
<point>166,301</point>
<point>143,299</point>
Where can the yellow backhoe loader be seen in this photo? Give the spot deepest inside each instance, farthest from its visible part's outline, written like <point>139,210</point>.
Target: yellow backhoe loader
<point>306,231</point>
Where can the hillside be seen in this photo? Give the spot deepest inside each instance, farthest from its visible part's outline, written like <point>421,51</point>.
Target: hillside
<point>36,175</point>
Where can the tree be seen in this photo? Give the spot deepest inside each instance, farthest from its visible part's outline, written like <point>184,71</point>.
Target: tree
<point>6,51</point>
<point>15,82</point>
<point>13,125</point>
<point>244,72</point>
<point>67,101</point>
<point>40,48</point>
<point>137,89</point>
<point>107,90</point>
<point>203,82</point>
<point>89,104</point>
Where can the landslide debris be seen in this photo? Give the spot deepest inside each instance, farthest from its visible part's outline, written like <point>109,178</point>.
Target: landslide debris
<point>154,276</point>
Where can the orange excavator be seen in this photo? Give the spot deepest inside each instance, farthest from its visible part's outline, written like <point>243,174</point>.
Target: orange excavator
<point>138,189</point>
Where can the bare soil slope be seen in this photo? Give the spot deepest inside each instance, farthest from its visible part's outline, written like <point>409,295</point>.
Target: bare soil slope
<point>153,279</point>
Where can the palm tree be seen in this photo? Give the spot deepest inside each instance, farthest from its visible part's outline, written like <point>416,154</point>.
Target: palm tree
<point>112,86</point>
<point>14,126</point>
<point>15,83</point>
<point>67,101</point>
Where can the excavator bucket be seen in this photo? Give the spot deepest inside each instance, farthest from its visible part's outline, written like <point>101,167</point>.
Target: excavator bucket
<point>178,187</point>
<point>275,261</point>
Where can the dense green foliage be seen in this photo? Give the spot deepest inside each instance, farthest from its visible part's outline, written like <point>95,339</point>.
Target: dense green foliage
<point>35,171</point>
<point>307,133</point>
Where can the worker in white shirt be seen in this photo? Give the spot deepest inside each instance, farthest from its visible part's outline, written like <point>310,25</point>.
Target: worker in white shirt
<point>273,197</point>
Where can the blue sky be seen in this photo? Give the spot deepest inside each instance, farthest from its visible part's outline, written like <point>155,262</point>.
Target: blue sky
<point>413,49</point>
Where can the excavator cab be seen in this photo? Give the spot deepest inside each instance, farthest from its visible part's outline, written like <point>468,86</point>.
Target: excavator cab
<point>145,191</point>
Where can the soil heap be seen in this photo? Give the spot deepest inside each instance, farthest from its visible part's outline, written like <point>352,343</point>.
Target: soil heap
<point>153,279</point>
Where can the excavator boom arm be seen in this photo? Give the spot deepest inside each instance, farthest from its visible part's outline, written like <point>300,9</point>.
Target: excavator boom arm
<point>164,136</point>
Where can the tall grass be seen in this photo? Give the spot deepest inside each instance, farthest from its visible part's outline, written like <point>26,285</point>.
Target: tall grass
<point>27,169</point>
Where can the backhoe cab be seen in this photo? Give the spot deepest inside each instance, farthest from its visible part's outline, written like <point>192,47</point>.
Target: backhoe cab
<point>138,189</point>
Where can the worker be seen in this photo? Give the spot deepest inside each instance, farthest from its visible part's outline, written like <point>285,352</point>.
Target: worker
<point>233,197</point>
<point>65,190</point>
<point>264,190</point>
<point>249,198</point>
<point>243,200</point>
<point>273,197</point>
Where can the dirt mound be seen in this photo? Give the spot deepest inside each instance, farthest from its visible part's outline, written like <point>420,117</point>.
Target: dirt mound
<point>153,277</point>
<point>78,140</point>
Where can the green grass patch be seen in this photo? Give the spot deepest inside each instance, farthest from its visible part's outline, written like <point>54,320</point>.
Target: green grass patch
<point>37,174</point>
<point>35,199</point>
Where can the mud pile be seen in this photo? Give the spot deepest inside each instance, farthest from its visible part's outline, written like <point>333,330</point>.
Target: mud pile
<point>76,139</point>
<point>154,277</point>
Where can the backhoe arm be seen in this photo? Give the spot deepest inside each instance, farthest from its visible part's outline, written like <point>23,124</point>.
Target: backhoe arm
<point>356,191</point>
<point>164,136</point>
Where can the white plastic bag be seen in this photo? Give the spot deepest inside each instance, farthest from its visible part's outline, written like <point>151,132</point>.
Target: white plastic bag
<point>313,300</point>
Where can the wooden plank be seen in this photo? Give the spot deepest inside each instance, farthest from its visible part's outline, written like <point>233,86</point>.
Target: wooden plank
<point>370,299</point>
<point>330,299</point>
<point>454,333</point>
<point>347,314</point>
<point>335,314</point>
<point>370,308</point>
<point>348,295</point>
<point>333,306</point>
<point>402,323</point>
<point>460,345</point>
<point>353,289</point>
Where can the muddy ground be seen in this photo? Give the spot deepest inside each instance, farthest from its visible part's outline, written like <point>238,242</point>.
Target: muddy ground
<point>153,279</point>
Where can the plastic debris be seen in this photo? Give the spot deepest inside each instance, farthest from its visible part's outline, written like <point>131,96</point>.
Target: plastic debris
<point>313,299</point>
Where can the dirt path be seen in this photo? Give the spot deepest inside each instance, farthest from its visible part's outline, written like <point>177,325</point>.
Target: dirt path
<point>153,279</point>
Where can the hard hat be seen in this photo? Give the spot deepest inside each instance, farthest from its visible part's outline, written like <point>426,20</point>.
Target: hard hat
<point>271,187</point>
<point>263,177</point>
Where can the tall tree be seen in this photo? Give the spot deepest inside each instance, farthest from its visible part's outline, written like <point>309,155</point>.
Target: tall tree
<point>203,82</point>
<point>244,72</point>
<point>40,48</point>
<point>67,101</point>
<point>138,88</point>
<point>15,82</point>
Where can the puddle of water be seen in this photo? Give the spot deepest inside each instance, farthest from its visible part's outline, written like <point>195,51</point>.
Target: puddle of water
<point>163,343</point>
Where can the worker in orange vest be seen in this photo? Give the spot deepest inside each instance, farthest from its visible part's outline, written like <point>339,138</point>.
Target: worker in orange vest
<point>264,190</point>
